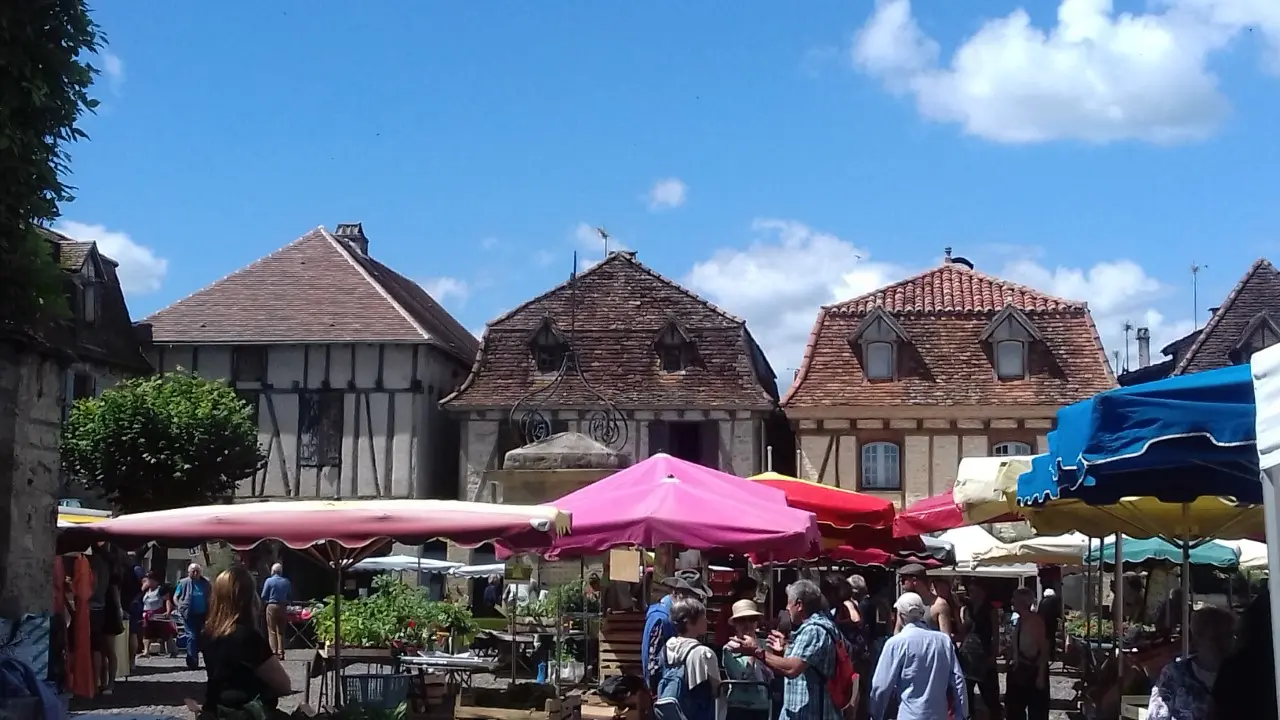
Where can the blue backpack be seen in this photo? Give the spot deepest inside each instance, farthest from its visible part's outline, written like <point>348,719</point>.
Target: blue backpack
<point>676,700</point>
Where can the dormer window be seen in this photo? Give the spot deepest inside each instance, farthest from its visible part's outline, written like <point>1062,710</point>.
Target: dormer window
<point>1261,332</point>
<point>676,351</point>
<point>549,348</point>
<point>878,341</point>
<point>1011,335</point>
<point>89,293</point>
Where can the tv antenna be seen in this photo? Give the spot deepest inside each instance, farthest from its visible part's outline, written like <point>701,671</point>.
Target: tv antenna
<point>1195,294</point>
<point>604,236</point>
<point>1115,354</point>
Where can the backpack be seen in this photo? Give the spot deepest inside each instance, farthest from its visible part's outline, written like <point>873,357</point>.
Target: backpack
<point>841,684</point>
<point>675,699</point>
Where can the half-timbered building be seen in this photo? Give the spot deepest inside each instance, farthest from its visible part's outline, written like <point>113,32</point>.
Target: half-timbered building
<point>345,361</point>
<point>625,356</point>
<point>899,384</point>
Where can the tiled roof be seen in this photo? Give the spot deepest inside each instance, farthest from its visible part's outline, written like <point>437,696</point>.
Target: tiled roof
<point>621,306</point>
<point>315,289</point>
<point>111,340</point>
<point>1257,292</point>
<point>953,288</point>
<point>945,311</point>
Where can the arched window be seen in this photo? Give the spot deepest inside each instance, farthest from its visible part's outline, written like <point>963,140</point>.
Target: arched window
<point>1011,360</point>
<point>1007,449</point>
<point>881,466</point>
<point>879,361</point>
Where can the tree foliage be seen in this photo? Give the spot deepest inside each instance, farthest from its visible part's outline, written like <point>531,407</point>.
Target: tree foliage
<point>44,89</point>
<point>163,441</point>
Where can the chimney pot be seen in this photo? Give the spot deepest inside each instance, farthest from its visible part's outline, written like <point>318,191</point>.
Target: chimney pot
<point>353,235</point>
<point>946,251</point>
<point>1144,347</point>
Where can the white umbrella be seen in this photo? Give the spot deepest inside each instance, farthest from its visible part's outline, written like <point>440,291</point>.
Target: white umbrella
<point>404,562</point>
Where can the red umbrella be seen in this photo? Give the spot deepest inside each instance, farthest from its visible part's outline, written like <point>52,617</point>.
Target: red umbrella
<point>934,514</point>
<point>832,506</point>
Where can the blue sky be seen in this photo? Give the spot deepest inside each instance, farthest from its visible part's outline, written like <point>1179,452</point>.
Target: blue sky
<point>773,159</point>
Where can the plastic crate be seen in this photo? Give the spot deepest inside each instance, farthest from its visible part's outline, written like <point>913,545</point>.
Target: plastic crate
<point>380,691</point>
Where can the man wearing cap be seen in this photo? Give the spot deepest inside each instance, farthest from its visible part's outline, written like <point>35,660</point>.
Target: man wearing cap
<point>915,579</point>
<point>919,669</point>
<point>658,628</point>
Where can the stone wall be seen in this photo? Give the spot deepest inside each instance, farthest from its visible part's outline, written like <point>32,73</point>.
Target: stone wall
<point>31,396</point>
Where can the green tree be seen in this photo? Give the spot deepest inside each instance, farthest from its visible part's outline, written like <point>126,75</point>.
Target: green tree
<point>45,76</point>
<point>161,442</point>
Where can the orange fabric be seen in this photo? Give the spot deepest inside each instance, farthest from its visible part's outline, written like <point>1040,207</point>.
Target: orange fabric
<point>82,683</point>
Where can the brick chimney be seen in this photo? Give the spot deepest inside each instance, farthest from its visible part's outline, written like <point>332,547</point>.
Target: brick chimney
<point>1144,347</point>
<point>353,235</point>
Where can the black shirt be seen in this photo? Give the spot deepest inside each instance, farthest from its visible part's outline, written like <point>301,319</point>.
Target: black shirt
<point>232,662</point>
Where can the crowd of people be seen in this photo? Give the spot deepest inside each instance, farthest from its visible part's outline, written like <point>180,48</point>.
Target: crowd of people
<point>934,657</point>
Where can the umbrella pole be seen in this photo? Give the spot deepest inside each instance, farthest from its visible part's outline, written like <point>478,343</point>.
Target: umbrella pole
<point>1117,622</point>
<point>1186,596</point>
<point>337,638</point>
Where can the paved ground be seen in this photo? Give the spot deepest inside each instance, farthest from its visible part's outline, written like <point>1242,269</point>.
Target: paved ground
<point>160,686</point>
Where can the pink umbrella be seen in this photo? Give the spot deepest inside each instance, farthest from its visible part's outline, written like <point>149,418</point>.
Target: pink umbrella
<point>667,500</point>
<point>350,524</point>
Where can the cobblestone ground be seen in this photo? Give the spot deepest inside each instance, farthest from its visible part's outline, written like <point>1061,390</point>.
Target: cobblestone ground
<point>160,686</point>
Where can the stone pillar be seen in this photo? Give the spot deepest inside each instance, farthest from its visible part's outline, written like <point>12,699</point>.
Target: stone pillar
<point>31,396</point>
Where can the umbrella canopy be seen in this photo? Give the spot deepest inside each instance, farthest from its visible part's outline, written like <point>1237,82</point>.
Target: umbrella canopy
<point>1176,440</point>
<point>475,571</point>
<point>936,514</point>
<point>396,563</point>
<point>1253,554</point>
<point>1148,550</point>
<point>833,506</point>
<point>969,542</point>
<point>987,487</point>
<point>1068,549</point>
<point>667,500</point>
<point>352,524</point>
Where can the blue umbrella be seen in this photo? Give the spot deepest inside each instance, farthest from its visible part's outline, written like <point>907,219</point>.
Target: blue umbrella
<point>1175,439</point>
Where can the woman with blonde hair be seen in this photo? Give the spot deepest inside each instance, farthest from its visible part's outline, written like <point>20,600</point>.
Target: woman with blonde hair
<point>242,669</point>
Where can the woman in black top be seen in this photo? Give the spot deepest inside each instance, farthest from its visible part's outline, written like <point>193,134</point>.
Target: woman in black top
<point>979,649</point>
<point>1246,683</point>
<point>242,669</point>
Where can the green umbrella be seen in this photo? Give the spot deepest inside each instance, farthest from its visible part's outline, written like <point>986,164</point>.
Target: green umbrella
<point>1150,550</point>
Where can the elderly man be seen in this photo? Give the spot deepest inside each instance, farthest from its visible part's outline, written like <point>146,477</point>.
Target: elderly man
<point>275,597</point>
<point>807,661</point>
<point>919,669</point>
<point>191,601</point>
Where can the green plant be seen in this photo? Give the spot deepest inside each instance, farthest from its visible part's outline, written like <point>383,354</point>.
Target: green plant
<point>44,90</point>
<point>395,613</point>
<point>164,441</point>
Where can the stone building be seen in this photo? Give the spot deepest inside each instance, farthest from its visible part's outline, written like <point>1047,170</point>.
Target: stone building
<point>345,360</point>
<point>41,374</point>
<point>899,384</point>
<point>625,356</point>
<point>1247,321</point>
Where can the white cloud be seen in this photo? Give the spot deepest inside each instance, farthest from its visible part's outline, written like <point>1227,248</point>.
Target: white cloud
<point>591,247</point>
<point>443,288</point>
<point>1118,292</point>
<point>141,271</point>
<point>1097,76</point>
<point>113,70</point>
<point>667,194</point>
<point>779,281</point>
<point>489,243</point>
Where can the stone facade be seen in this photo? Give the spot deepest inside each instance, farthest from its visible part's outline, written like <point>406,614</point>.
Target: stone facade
<point>31,407</point>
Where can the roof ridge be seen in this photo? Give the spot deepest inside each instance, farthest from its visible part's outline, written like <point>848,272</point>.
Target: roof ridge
<point>297,241</point>
<point>1222,310</point>
<point>346,255</point>
<point>957,267</point>
<point>809,347</point>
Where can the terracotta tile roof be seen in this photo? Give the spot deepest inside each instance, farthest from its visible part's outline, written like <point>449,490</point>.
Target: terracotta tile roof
<point>621,308</point>
<point>315,289</point>
<point>111,340</point>
<point>945,311</point>
<point>1257,292</point>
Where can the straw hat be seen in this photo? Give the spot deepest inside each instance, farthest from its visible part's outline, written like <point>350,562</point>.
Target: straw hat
<point>744,609</point>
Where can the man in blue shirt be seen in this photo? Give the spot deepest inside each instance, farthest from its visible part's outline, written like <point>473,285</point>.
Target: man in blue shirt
<point>918,668</point>
<point>275,596</point>
<point>191,598</point>
<point>658,628</point>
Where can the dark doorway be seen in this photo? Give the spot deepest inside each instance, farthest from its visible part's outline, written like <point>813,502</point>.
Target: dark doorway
<point>693,440</point>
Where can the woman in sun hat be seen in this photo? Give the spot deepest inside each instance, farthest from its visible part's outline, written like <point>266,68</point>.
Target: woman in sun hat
<point>746,701</point>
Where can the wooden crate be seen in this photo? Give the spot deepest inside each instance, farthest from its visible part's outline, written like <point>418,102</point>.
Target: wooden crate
<point>566,708</point>
<point>620,643</point>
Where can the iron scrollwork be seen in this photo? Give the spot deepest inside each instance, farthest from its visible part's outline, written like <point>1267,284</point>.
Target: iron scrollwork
<point>534,426</point>
<point>607,427</point>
